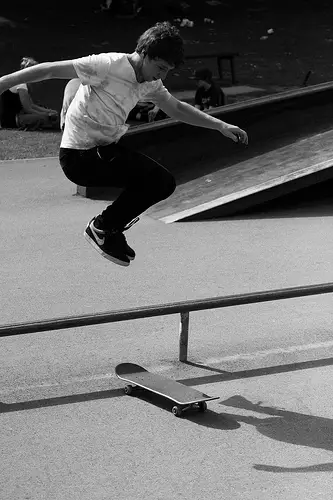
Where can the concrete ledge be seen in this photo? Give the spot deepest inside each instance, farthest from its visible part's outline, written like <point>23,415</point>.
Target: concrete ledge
<point>256,194</point>
<point>110,193</point>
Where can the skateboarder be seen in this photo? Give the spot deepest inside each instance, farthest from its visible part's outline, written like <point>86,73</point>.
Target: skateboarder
<point>91,150</point>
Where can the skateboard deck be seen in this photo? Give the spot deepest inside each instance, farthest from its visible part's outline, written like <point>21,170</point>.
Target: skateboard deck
<point>185,397</point>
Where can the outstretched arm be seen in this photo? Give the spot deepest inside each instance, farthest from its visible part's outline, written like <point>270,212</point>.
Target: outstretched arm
<point>188,114</point>
<point>43,71</point>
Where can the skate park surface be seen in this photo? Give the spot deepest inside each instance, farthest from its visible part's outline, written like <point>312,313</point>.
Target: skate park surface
<point>67,429</point>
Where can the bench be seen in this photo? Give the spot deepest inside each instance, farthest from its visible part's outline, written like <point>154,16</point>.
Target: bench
<point>220,56</point>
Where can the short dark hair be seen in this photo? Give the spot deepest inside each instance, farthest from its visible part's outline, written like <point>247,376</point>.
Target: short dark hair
<point>27,61</point>
<point>204,74</point>
<point>162,41</point>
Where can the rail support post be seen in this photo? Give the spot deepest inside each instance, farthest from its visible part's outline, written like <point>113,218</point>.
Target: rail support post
<point>183,335</point>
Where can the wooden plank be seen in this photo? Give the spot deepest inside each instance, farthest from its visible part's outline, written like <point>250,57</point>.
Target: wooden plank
<point>231,189</point>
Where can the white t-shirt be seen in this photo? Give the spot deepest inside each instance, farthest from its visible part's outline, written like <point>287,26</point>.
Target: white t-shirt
<point>109,91</point>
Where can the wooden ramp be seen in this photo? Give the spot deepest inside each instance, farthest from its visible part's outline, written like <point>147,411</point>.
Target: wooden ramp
<point>251,182</point>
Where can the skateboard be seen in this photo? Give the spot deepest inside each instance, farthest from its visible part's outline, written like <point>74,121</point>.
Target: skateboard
<point>185,397</point>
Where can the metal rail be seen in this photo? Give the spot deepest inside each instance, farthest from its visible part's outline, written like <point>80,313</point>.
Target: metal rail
<point>184,308</point>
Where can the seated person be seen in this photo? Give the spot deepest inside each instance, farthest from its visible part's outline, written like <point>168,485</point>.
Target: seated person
<point>146,112</point>
<point>208,95</point>
<point>19,111</point>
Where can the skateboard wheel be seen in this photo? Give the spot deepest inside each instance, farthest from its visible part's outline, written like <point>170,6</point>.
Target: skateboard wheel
<point>203,406</point>
<point>128,389</point>
<point>176,411</point>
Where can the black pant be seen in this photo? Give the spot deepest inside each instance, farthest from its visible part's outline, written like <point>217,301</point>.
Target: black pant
<point>144,180</point>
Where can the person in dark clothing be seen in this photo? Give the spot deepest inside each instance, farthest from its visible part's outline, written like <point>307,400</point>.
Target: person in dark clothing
<point>10,107</point>
<point>208,95</point>
<point>18,110</point>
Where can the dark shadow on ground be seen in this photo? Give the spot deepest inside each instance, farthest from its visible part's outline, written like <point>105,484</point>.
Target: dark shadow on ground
<point>288,427</point>
<point>60,400</point>
<point>311,468</point>
<point>219,376</point>
<point>313,201</point>
<point>222,376</point>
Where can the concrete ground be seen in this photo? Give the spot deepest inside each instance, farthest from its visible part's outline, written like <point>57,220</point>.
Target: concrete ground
<point>68,431</point>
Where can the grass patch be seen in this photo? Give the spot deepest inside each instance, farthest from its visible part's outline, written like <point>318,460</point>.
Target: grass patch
<point>18,144</point>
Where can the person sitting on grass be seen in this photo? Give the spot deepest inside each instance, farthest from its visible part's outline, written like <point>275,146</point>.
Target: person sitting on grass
<point>146,112</point>
<point>208,94</point>
<point>92,152</point>
<point>20,111</point>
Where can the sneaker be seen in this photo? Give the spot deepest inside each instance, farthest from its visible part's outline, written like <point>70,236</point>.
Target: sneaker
<point>110,244</point>
<point>98,224</point>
